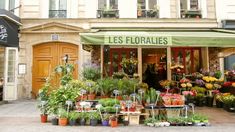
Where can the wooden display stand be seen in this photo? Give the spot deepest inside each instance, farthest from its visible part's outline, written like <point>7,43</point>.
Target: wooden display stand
<point>134,117</point>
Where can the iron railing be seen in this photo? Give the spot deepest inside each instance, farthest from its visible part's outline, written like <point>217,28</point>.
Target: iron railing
<point>57,13</point>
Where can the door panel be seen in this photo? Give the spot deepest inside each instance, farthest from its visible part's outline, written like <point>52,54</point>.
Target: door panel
<point>116,56</point>
<point>46,57</point>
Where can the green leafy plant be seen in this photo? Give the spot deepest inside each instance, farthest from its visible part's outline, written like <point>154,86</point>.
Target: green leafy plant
<point>105,86</point>
<point>43,96</point>
<point>91,72</point>
<point>62,113</point>
<point>73,115</point>
<point>94,115</point>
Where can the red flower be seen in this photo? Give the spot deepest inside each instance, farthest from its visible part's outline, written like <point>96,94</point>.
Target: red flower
<point>227,84</point>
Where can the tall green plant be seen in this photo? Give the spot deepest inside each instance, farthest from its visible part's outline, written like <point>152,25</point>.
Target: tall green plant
<point>91,72</point>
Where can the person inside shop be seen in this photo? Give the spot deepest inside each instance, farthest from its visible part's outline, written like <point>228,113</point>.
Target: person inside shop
<point>151,76</point>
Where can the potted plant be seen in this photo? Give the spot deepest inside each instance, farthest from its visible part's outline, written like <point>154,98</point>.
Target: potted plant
<point>63,117</point>
<point>73,116</point>
<point>91,71</point>
<point>44,111</point>
<point>43,101</point>
<point>91,87</point>
<point>82,118</point>
<point>113,121</point>
<point>125,120</point>
<point>105,120</point>
<point>105,87</point>
<point>94,117</point>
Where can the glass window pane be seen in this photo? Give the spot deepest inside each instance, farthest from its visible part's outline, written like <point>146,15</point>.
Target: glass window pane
<point>183,4</point>
<point>113,4</point>
<point>153,4</point>
<point>11,66</point>
<point>141,4</point>
<point>101,4</point>
<point>2,4</point>
<point>193,4</point>
<point>11,5</point>
<point>52,5</point>
<point>63,5</point>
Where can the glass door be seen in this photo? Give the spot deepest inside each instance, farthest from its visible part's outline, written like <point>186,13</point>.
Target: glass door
<point>114,58</point>
<point>10,80</point>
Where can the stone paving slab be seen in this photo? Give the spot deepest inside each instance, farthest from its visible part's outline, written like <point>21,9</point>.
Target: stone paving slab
<point>23,116</point>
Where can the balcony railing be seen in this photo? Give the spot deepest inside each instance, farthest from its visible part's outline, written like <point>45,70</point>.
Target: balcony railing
<point>191,14</point>
<point>111,13</point>
<point>147,13</point>
<point>57,13</point>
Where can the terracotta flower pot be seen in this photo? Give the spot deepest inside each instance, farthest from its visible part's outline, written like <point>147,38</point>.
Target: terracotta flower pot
<point>43,118</point>
<point>114,123</point>
<point>91,96</point>
<point>63,121</point>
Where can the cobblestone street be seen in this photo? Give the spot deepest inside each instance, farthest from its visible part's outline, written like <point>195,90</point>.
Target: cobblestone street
<point>22,116</point>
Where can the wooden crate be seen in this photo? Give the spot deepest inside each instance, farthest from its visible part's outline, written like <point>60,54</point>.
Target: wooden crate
<point>172,113</point>
<point>134,119</point>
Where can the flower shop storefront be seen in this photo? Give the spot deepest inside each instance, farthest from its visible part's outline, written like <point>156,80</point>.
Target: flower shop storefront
<point>122,98</point>
<point>163,49</point>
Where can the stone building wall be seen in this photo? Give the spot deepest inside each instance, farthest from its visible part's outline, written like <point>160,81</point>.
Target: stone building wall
<point>214,59</point>
<point>95,55</point>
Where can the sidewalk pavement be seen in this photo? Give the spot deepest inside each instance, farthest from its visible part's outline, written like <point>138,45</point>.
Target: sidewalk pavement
<point>23,116</point>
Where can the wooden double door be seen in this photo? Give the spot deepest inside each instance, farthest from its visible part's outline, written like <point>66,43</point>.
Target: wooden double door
<point>46,57</point>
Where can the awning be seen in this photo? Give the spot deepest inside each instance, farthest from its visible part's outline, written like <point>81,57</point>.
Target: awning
<point>9,26</point>
<point>161,38</point>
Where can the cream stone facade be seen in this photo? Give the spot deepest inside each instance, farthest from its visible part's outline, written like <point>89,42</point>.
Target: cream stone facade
<point>38,28</point>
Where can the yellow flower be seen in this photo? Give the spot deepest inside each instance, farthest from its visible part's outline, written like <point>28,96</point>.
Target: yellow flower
<point>183,85</point>
<point>209,85</point>
<point>189,85</point>
<point>233,84</point>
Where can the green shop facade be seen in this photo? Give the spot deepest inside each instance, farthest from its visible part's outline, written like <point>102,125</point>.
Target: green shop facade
<point>156,49</point>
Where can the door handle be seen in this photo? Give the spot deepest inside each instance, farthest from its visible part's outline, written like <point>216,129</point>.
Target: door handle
<point>43,79</point>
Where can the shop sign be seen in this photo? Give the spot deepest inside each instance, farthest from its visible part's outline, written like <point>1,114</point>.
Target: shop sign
<point>137,40</point>
<point>3,34</point>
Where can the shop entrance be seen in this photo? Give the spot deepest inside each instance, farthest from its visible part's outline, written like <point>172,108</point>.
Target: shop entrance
<point>46,57</point>
<point>113,58</point>
<point>154,66</point>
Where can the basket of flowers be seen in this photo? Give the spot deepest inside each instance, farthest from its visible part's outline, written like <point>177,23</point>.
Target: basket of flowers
<point>129,65</point>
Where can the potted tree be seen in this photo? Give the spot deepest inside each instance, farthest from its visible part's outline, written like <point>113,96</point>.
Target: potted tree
<point>73,116</point>
<point>43,101</point>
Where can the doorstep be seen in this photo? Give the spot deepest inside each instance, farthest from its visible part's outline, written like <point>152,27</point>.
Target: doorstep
<point>3,102</point>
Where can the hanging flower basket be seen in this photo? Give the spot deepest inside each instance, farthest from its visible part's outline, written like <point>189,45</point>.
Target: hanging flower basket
<point>129,66</point>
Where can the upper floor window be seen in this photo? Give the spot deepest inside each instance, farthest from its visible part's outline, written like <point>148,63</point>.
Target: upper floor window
<point>190,9</point>
<point>12,5</point>
<point>147,9</point>
<point>2,4</point>
<point>58,9</point>
<point>8,5</point>
<point>107,8</point>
